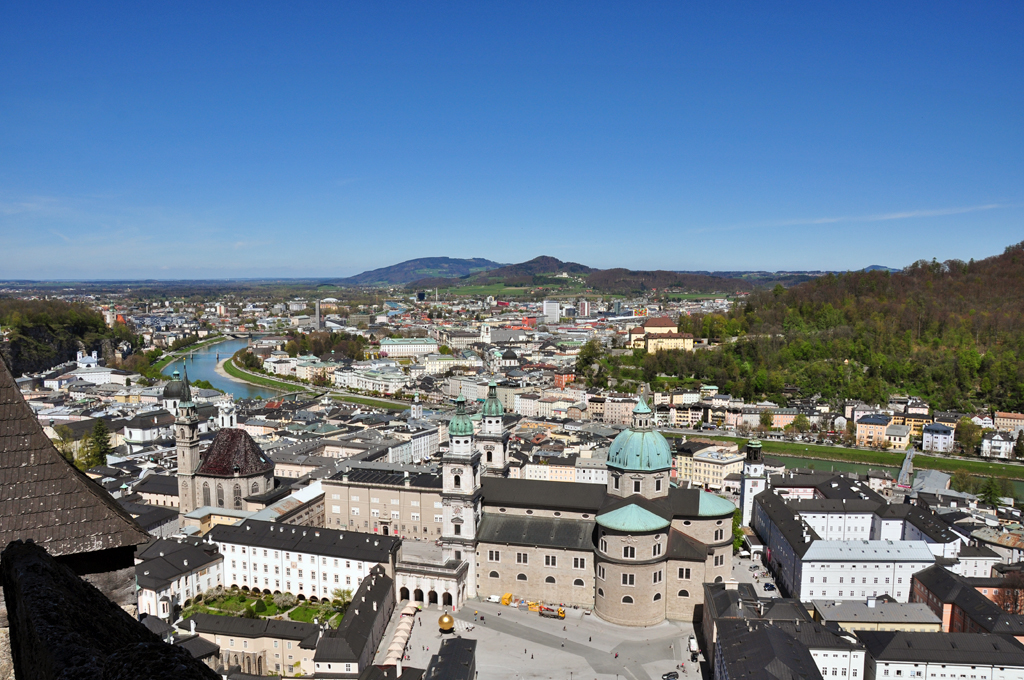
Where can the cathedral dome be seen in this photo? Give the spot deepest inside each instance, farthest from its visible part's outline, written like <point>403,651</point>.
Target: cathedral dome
<point>493,407</point>
<point>460,425</point>
<point>175,389</point>
<point>640,448</point>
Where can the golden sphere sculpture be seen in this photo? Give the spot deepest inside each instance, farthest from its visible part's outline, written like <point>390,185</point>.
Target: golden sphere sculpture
<point>446,623</point>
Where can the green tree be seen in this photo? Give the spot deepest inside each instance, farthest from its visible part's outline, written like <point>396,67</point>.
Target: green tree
<point>737,531</point>
<point>968,434</point>
<point>991,492</point>
<point>962,481</point>
<point>65,442</point>
<point>444,349</point>
<point>766,418</point>
<point>1018,447</point>
<point>101,447</point>
<point>801,423</point>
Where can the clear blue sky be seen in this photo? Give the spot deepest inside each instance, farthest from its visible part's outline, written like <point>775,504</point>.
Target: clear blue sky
<point>212,140</point>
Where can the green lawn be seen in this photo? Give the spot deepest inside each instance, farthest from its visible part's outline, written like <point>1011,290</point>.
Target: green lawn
<point>280,385</point>
<point>885,458</point>
<point>305,613</point>
<point>230,603</point>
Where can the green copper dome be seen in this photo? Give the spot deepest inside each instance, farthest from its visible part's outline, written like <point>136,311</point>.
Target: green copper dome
<point>633,519</point>
<point>493,407</point>
<point>714,506</point>
<point>640,449</point>
<point>461,425</point>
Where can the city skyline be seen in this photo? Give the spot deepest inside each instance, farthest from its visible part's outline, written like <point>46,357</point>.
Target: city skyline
<point>270,142</point>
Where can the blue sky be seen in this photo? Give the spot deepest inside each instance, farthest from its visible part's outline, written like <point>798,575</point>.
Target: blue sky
<point>213,140</point>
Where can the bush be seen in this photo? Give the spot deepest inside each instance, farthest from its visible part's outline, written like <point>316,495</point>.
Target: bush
<point>259,607</point>
<point>285,600</point>
<point>248,613</point>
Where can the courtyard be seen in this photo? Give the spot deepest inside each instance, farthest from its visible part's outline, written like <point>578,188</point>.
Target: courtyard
<point>520,645</point>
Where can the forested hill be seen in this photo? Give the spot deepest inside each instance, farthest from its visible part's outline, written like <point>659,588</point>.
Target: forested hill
<point>951,332</point>
<point>43,333</point>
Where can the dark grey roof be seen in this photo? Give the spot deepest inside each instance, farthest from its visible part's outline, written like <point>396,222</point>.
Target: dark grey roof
<point>157,484</point>
<point>43,497</point>
<point>725,603</point>
<point>977,552</point>
<point>329,542</point>
<point>197,646</point>
<point>548,532</point>
<point>149,517</point>
<point>952,648</point>
<point>786,521</point>
<point>683,547</point>
<point>255,628</point>
<point>531,493</point>
<point>390,478</point>
<point>164,560</point>
<point>347,642</point>
<point>950,588</point>
<point>765,652</point>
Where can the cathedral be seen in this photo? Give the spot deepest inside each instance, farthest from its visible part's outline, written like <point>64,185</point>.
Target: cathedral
<point>233,466</point>
<point>637,551</point>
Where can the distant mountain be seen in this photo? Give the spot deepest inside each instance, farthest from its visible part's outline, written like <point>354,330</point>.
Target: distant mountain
<point>536,267</point>
<point>878,267</point>
<point>420,268</point>
<point>628,281</point>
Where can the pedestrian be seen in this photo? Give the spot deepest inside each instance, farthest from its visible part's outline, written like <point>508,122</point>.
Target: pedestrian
<point>590,638</point>
<point>563,627</point>
<point>616,655</point>
<point>531,657</point>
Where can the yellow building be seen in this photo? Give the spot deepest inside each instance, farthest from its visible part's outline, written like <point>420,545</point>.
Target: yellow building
<point>667,341</point>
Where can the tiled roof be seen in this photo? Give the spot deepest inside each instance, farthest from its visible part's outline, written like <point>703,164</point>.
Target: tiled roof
<point>43,497</point>
<point>233,448</point>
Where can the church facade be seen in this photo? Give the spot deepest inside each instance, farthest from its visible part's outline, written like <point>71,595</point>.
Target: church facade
<point>232,468</point>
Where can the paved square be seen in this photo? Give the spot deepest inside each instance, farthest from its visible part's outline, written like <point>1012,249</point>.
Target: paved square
<point>523,645</point>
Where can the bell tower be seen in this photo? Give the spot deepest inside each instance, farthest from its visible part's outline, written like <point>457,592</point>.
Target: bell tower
<point>754,480</point>
<point>492,441</point>
<point>460,494</point>
<point>186,436</point>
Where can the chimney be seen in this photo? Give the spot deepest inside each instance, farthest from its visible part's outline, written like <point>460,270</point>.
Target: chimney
<point>731,584</point>
<point>871,602</point>
<point>192,626</point>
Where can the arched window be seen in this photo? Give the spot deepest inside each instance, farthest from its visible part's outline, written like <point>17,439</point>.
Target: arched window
<point>255,488</point>
<point>549,579</point>
<point>220,495</point>
<point>458,481</point>
<point>657,596</point>
<point>521,577</point>
<point>238,496</point>
<point>493,574</point>
<point>684,593</point>
<point>718,579</point>
<point>627,600</point>
<point>490,457</point>
<point>578,582</point>
<point>206,493</point>
<point>600,592</point>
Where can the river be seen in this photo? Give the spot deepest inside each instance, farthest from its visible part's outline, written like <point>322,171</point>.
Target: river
<point>202,365</point>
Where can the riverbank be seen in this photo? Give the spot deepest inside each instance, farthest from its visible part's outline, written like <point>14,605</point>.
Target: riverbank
<point>884,459</point>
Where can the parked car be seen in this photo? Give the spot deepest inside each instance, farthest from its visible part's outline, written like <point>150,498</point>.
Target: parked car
<point>754,567</point>
<point>671,675</point>
<point>769,586</point>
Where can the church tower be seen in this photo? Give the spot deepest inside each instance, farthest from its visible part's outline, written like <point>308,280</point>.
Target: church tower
<point>754,479</point>
<point>460,495</point>
<point>416,410</point>
<point>186,429</point>
<point>493,440</point>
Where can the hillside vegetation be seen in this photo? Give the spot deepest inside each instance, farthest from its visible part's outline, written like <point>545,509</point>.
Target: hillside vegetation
<point>43,333</point>
<point>951,332</point>
<point>424,267</point>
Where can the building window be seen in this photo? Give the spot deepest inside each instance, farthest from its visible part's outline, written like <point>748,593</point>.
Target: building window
<point>549,579</point>
<point>628,552</point>
<point>615,482</point>
<point>578,582</point>
<point>656,576</point>
<point>684,574</point>
<point>684,593</point>
<point>521,577</point>
<point>550,560</point>
<point>600,572</point>
<point>628,580</point>
<point>604,545</point>
<point>493,574</point>
<point>493,556</point>
<point>579,563</point>
<point>636,486</point>
<point>657,485</point>
<point>657,549</point>
<point>627,600</point>
<point>657,596</point>
<point>600,592</point>
<point>457,481</point>
<point>522,558</point>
